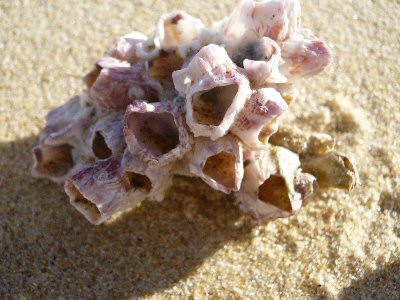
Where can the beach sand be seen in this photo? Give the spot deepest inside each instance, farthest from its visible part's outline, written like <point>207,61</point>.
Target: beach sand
<point>196,243</point>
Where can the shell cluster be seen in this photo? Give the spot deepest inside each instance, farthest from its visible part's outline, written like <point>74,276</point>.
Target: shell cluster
<point>194,101</point>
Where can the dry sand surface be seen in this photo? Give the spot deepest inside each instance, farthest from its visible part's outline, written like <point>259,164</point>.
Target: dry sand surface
<point>196,244</point>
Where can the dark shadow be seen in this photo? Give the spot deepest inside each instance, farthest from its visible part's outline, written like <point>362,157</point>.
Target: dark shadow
<point>382,284</point>
<point>48,250</point>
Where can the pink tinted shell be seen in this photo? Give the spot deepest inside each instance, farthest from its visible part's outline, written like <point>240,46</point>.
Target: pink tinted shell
<point>259,118</point>
<point>304,55</point>
<point>155,132</point>
<point>102,189</point>
<point>118,86</point>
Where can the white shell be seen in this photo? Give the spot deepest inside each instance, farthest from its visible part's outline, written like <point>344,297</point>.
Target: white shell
<point>304,55</point>
<point>276,19</point>
<point>177,29</point>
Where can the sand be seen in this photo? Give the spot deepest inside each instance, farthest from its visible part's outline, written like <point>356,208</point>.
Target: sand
<point>196,244</point>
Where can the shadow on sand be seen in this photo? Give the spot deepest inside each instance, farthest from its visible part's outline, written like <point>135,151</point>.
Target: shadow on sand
<point>49,250</point>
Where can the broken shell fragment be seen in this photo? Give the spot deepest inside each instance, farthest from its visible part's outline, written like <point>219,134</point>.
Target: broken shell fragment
<point>102,189</point>
<point>302,143</point>
<point>219,163</point>
<point>257,121</point>
<point>332,170</point>
<point>155,132</point>
<point>197,102</point>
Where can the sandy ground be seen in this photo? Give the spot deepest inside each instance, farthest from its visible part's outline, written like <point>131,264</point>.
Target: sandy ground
<point>196,244</point>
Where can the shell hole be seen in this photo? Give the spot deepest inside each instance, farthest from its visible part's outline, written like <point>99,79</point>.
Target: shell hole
<point>100,148</point>
<point>268,130</point>
<point>91,77</point>
<point>54,161</point>
<point>221,168</point>
<point>138,181</point>
<point>209,107</point>
<point>275,192</point>
<point>162,66</point>
<point>157,132</point>
<point>85,206</point>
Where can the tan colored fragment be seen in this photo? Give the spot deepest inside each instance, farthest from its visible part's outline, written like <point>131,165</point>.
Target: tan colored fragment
<point>332,170</point>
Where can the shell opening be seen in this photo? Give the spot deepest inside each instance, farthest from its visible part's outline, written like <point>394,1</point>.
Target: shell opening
<point>268,130</point>
<point>54,161</point>
<point>91,77</point>
<point>138,181</point>
<point>100,148</point>
<point>275,192</point>
<point>221,168</point>
<point>165,64</point>
<point>157,132</point>
<point>210,107</point>
<point>84,205</point>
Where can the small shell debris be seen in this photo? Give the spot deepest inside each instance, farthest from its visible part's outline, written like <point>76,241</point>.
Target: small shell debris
<point>200,102</point>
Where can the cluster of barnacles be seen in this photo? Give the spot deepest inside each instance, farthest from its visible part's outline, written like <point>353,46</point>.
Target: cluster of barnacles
<point>195,101</point>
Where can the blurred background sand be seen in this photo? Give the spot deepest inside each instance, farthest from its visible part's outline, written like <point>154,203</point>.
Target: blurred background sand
<point>196,244</point>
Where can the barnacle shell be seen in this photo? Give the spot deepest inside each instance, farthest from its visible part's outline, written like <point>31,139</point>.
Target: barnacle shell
<point>126,47</point>
<point>263,66</point>
<point>155,132</point>
<point>273,186</point>
<point>304,55</point>
<point>198,102</point>
<point>212,106</point>
<point>259,118</point>
<point>106,136</point>
<point>276,19</point>
<point>65,124</point>
<point>215,92</point>
<point>219,163</point>
<point>102,189</point>
<point>158,178</point>
<point>119,85</point>
<point>302,143</point>
<point>54,162</point>
<point>177,29</point>
<point>210,62</point>
<point>332,170</point>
